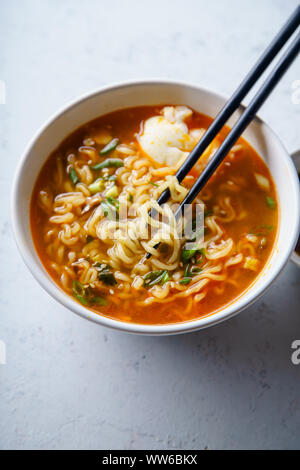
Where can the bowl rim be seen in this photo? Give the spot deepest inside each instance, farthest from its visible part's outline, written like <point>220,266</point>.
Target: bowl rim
<point>57,293</point>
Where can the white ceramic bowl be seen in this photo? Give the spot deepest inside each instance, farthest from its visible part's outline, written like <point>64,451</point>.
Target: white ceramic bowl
<point>153,92</point>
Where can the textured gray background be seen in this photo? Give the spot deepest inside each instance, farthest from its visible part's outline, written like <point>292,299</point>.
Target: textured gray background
<point>72,384</point>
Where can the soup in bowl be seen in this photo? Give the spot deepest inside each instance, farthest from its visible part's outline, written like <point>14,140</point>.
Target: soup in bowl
<point>89,227</point>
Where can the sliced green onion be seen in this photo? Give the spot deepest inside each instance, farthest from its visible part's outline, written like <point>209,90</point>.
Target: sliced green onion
<point>185,280</point>
<point>187,271</point>
<point>108,210</point>
<point>271,203</point>
<point>186,255</point>
<point>155,277</point>
<point>112,192</point>
<point>262,229</point>
<point>85,295</point>
<point>73,176</point>
<point>154,184</point>
<point>107,278</point>
<point>99,301</point>
<point>109,163</point>
<point>130,197</point>
<point>194,270</point>
<point>109,147</point>
<point>191,271</point>
<point>165,278</point>
<point>82,299</point>
<point>105,274</point>
<point>113,201</point>
<point>97,186</point>
<point>78,290</point>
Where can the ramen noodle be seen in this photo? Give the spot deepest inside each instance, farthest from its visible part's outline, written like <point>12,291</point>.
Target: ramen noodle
<point>94,218</point>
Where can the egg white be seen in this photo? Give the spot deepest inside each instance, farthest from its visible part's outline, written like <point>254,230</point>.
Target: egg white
<point>166,138</point>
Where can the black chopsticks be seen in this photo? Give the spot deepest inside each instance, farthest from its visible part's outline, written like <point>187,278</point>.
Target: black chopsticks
<point>232,105</point>
<point>247,116</point>
<point>234,102</point>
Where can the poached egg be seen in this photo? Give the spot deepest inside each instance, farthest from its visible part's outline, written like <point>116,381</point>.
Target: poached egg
<point>166,138</point>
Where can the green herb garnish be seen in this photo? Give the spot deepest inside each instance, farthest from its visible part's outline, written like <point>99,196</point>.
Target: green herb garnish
<point>195,270</point>
<point>105,274</point>
<point>109,163</point>
<point>113,201</point>
<point>156,277</point>
<point>186,255</point>
<point>130,197</point>
<point>97,186</point>
<point>73,176</point>
<point>109,147</point>
<point>262,229</point>
<point>165,278</point>
<point>112,191</point>
<point>191,271</point>
<point>186,274</point>
<point>79,292</point>
<point>185,280</point>
<point>154,184</point>
<point>110,208</point>
<point>85,295</point>
<point>271,203</point>
<point>107,278</point>
<point>99,301</point>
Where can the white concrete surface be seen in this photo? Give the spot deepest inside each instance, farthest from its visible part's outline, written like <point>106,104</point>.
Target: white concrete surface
<point>69,384</point>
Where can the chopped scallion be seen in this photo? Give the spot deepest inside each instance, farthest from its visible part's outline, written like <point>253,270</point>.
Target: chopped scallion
<point>99,301</point>
<point>262,229</point>
<point>105,274</point>
<point>111,208</point>
<point>109,163</point>
<point>112,192</point>
<point>96,186</point>
<point>185,280</point>
<point>271,203</point>
<point>109,147</point>
<point>73,176</point>
<point>113,201</point>
<point>186,255</point>
<point>85,295</point>
<point>156,277</point>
